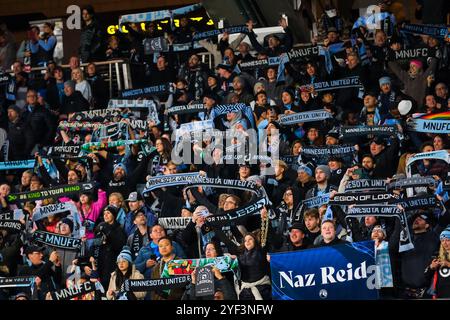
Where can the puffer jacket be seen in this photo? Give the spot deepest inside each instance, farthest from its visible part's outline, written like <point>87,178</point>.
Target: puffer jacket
<point>135,275</point>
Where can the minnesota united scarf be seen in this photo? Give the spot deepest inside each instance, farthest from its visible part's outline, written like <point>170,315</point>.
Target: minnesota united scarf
<point>363,198</point>
<point>355,131</point>
<point>307,116</point>
<point>56,240</point>
<point>18,164</point>
<point>385,211</point>
<point>157,15</point>
<point>147,91</point>
<point>350,82</point>
<point>425,29</point>
<point>412,182</point>
<point>321,155</point>
<point>187,108</point>
<point>223,183</point>
<point>54,192</point>
<point>179,281</point>
<point>418,202</point>
<point>169,180</point>
<point>317,201</point>
<point>213,33</point>
<point>365,185</point>
<point>437,155</point>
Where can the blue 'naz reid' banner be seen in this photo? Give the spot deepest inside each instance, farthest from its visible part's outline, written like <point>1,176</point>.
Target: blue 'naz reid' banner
<point>341,272</point>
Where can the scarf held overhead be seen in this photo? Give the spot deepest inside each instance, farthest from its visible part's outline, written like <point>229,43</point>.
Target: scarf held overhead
<point>56,240</point>
<point>54,192</point>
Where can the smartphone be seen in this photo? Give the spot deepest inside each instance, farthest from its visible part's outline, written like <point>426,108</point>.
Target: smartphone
<point>82,232</point>
<point>153,257</point>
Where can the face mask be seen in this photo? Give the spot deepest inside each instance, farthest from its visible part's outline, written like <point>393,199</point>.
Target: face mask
<point>331,13</point>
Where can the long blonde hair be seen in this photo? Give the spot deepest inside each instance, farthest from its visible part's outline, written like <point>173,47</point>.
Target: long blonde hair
<point>444,255</point>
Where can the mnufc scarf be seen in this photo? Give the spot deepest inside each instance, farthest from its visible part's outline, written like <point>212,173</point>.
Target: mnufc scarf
<point>56,240</point>
<point>146,92</point>
<point>16,282</point>
<point>52,209</point>
<point>234,215</point>
<point>350,82</point>
<point>95,146</point>
<point>223,183</point>
<point>18,164</point>
<point>54,192</point>
<point>418,202</point>
<point>438,155</point>
<point>130,104</point>
<point>363,198</point>
<point>64,152</point>
<point>174,223</point>
<point>96,115</point>
<point>358,211</point>
<point>317,201</point>
<point>213,33</point>
<point>308,116</point>
<point>77,290</point>
<point>429,126</point>
<point>157,15</point>
<point>355,131</point>
<point>386,211</point>
<point>186,108</point>
<point>425,29</point>
<point>169,180</point>
<point>13,225</point>
<point>156,284</point>
<point>408,54</point>
<point>320,155</point>
<point>365,185</point>
<point>412,182</point>
<point>187,266</point>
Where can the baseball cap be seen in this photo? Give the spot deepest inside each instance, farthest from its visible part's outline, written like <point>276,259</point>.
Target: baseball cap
<point>134,196</point>
<point>298,226</point>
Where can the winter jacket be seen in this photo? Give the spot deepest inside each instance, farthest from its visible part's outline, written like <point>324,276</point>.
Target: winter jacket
<point>135,275</point>
<point>17,139</point>
<point>152,249</point>
<point>115,239</point>
<point>74,103</point>
<point>39,127</point>
<point>50,277</point>
<point>414,87</point>
<point>92,42</point>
